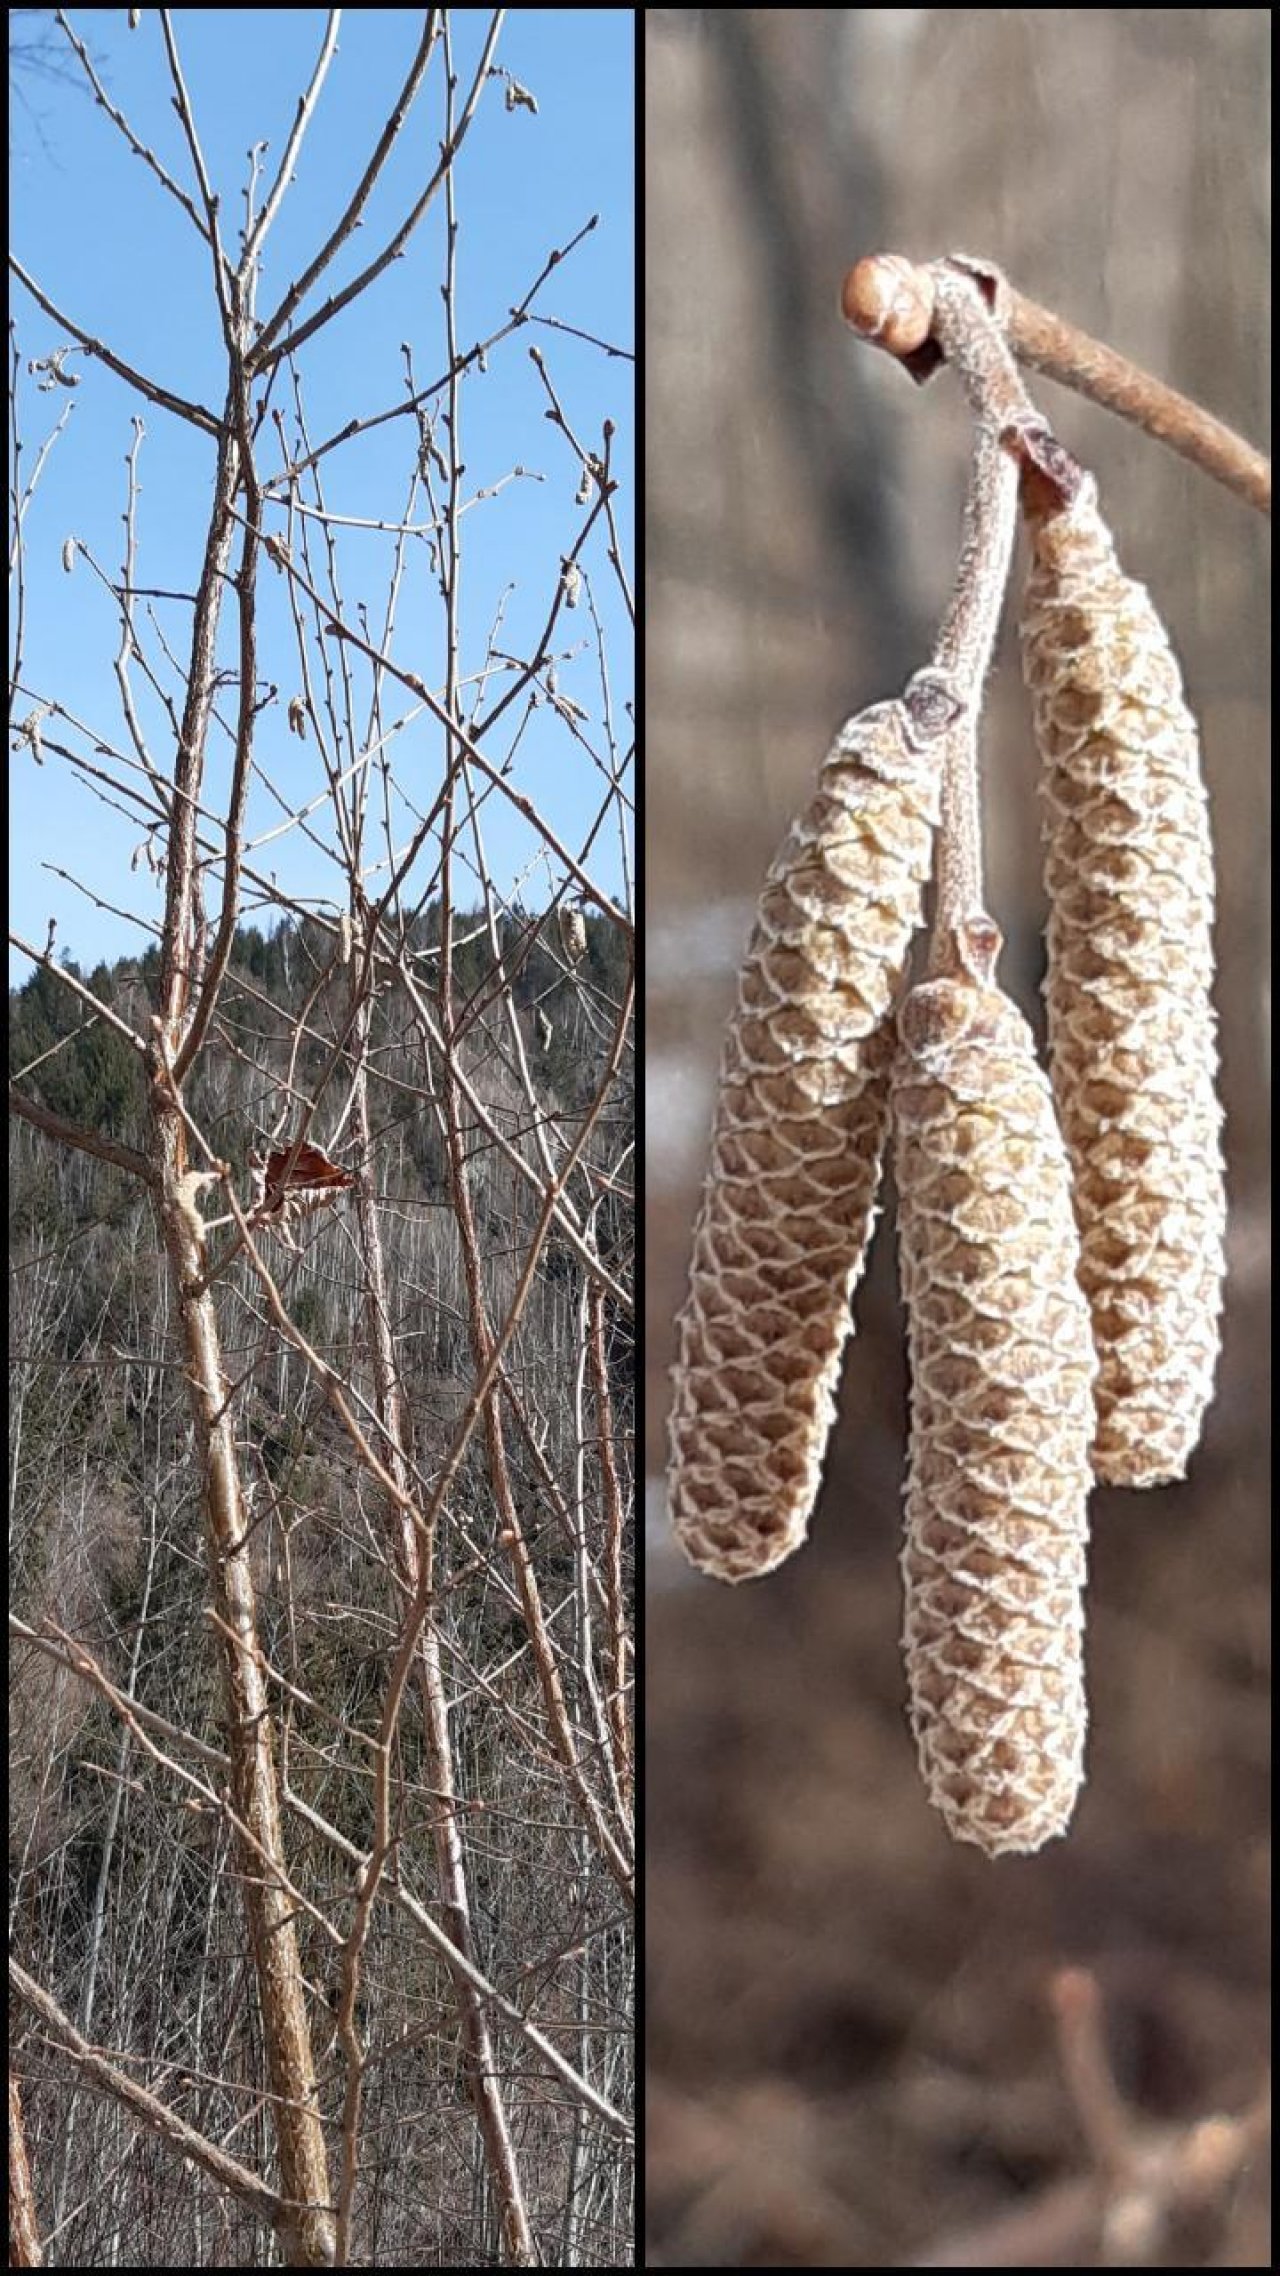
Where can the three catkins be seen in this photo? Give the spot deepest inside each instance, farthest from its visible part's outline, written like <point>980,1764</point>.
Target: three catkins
<point>1061,1237</point>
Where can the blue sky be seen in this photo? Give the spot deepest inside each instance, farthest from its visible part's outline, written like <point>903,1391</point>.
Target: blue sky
<point>114,251</point>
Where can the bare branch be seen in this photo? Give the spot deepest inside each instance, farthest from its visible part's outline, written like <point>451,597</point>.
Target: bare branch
<point>85,1141</point>
<point>267,350</point>
<point>390,133</point>
<point>140,149</point>
<point>195,413</point>
<point>150,2112</point>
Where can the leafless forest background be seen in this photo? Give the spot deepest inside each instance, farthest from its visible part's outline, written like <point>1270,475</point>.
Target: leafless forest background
<point>853,2053</point>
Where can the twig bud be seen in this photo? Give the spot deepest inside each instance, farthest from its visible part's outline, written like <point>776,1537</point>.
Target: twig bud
<point>889,300</point>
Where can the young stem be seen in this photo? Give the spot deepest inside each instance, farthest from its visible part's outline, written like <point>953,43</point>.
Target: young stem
<point>973,344</point>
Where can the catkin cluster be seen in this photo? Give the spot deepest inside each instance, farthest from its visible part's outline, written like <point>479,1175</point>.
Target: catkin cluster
<point>1002,1371</point>
<point>799,1137</point>
<point>1061,1236</point>
<point>1130,960</point>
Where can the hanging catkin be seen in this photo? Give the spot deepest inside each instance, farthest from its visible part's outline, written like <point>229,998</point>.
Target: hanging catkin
<point>1002,1369</point>
<point>800,1128</point>
<point>1131,1026</point>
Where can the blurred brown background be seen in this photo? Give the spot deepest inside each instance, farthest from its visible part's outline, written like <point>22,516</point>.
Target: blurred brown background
<point>852,2060</point>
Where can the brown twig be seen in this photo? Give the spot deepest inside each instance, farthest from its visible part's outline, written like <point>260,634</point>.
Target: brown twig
<point>118,119</point>
<point>890,301</point>
<point>77,987</point>
<point>258,2196</point>
<point>268,348</point>
<point>178,404</point>
<point>1049,344</point>
<point>85,1141</point>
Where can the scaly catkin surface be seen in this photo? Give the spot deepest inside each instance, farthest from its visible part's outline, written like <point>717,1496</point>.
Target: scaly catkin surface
<point>801,1119</point>
<point>1002,1369</point>
<point>1131,1025</point>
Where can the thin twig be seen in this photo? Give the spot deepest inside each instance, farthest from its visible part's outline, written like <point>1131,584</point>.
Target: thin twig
<point>967,635</point>
<point>1049,344</point>
<point>301,120</point>
<point>68,1653</point>
<point>85,1141</point>
<point>222,273</point>
<point>118,119</point>
<point>154,393</point>
<point>193,2147</point>
<point>267,350</point>
<point>78,988</point>
<point>350,218</point>
<point>891,302</point>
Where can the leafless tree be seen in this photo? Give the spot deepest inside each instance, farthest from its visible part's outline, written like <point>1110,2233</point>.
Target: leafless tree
<point>418,1793</point>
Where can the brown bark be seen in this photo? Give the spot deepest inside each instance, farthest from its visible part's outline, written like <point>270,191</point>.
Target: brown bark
<point>307,2235</point>
<point>25,2249</point>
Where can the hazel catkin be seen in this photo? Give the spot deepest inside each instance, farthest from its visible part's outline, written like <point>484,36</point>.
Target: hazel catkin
<point>800,1127</point>
<point>573,933</point>
<point>1130,962</point>
<point>1002,1369</point>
